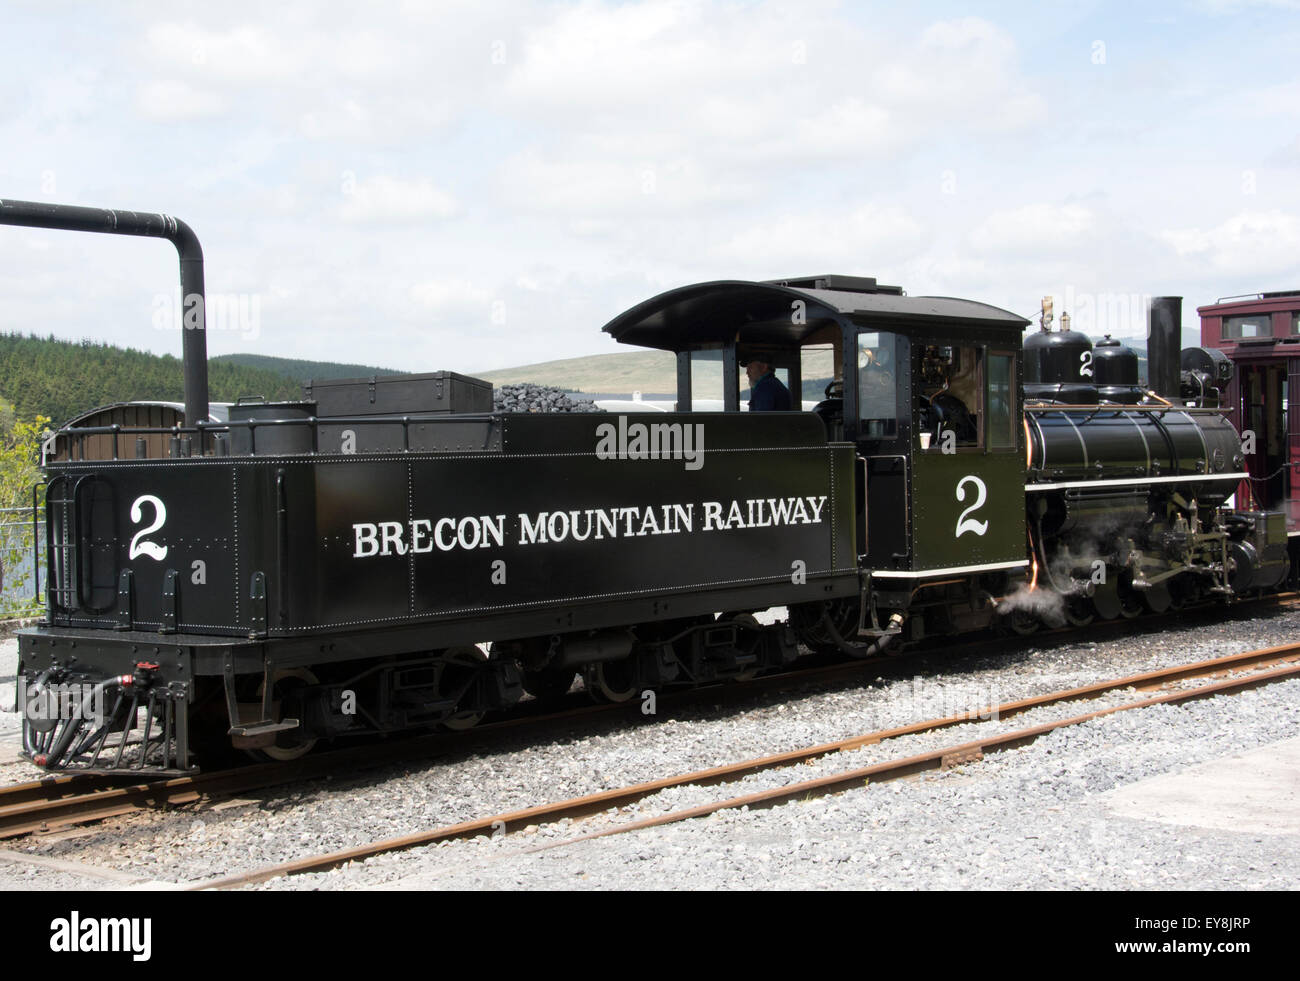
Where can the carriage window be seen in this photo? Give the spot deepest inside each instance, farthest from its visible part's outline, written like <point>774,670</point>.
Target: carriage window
<point>950,402</point>
<point>1295,323</point>
<point>878,384</point>
<point>1001,401</point>
<point>1246,327</point>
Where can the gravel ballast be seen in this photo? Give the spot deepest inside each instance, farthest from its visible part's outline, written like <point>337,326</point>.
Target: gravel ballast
<point>1030,818</point>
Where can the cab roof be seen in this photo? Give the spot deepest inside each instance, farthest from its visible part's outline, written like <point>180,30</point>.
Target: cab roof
<point>762,313</point>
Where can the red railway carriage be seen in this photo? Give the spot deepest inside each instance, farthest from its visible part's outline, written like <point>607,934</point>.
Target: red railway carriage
<point>1260,334</point>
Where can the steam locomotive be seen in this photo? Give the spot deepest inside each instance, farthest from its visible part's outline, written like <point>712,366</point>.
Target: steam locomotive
<point>388,554</point>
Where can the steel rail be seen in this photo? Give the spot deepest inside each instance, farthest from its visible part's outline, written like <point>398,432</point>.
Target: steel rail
<point>593,803</point>
<point>973,751</point>
<point>62,800</point>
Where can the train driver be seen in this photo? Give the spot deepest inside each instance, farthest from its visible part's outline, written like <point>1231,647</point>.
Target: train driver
<point>766,393</point>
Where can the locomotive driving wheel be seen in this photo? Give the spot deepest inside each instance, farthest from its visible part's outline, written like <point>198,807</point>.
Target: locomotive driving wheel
<point>1157,598</point>
<point>1184,590</point>
<point>1130,599</point>
<point>1078,611</point>
<point>1023,622</point>
<point>1105,600</point>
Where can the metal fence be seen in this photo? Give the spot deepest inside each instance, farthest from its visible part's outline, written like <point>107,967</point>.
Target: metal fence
<point>22,549</point>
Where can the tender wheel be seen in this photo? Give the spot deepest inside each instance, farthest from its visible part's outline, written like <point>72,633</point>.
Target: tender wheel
<point>750,622</point>
<point>462,720</point>
<point>611,681</point>
<point>466,667</point>
<point>291,744</point>
<point>548,685</point>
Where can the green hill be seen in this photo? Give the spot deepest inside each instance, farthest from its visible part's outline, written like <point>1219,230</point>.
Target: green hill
<point>300,370</point>
<point>62,379</point>
<point>636,371</point>
<point>620,372</point>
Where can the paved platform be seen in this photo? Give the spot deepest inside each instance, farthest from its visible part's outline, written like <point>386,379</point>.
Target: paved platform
<point>9,722</point>
<point>10,744</point>
<point>8,659</point>
<point>1255,793</point>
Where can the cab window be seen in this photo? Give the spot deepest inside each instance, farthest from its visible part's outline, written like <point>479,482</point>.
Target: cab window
<point>1001,400</point>
<point>706,380</point>
<point>878,384</point>
<point>950,405</point>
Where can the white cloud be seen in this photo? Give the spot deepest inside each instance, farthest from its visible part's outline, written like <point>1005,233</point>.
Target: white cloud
<point>170,100</point>
<point>245,54</point>
<point>1034,228</point>
<point>442,297</point>
<point>595,187</point>
<point>568,159</point>
<point>863,240</point>
<point>732,98</point>
<point>1258,242</point>
<point>390,199</point>
<point>967,33</point>
<point>1272,100</point>
<point>1236,6</point>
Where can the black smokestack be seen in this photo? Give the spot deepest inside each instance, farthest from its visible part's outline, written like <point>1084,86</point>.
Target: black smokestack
<point>194,337</point>
<point>1164,345</point>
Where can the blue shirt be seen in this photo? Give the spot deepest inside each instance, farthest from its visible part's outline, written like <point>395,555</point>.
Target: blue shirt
<point>769,395</point>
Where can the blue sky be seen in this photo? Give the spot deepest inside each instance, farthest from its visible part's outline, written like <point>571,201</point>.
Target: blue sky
<point>467,186</point>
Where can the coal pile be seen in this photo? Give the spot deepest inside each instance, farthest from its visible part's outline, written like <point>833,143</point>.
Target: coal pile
<point>528,397</point>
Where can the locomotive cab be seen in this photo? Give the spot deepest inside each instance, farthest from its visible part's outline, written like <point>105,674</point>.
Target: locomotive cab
<point>925,389</point>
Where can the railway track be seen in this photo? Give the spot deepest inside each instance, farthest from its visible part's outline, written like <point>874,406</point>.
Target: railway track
<point>1224,675</point>
<point>60,801</point>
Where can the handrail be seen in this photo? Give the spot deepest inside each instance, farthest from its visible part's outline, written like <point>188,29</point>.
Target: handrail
<point>117,430</point>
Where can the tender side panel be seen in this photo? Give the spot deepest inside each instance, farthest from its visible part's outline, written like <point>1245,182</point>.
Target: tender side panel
<point>583,511</point>
<point>564,523</point>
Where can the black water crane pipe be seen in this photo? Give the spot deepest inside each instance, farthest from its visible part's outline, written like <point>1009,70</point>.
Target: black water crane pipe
<point>34,214</point>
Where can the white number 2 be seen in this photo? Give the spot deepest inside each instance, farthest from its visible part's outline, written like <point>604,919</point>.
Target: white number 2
<point>147,549</point>
<point>965,523</point>
<point>1085,364</point>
